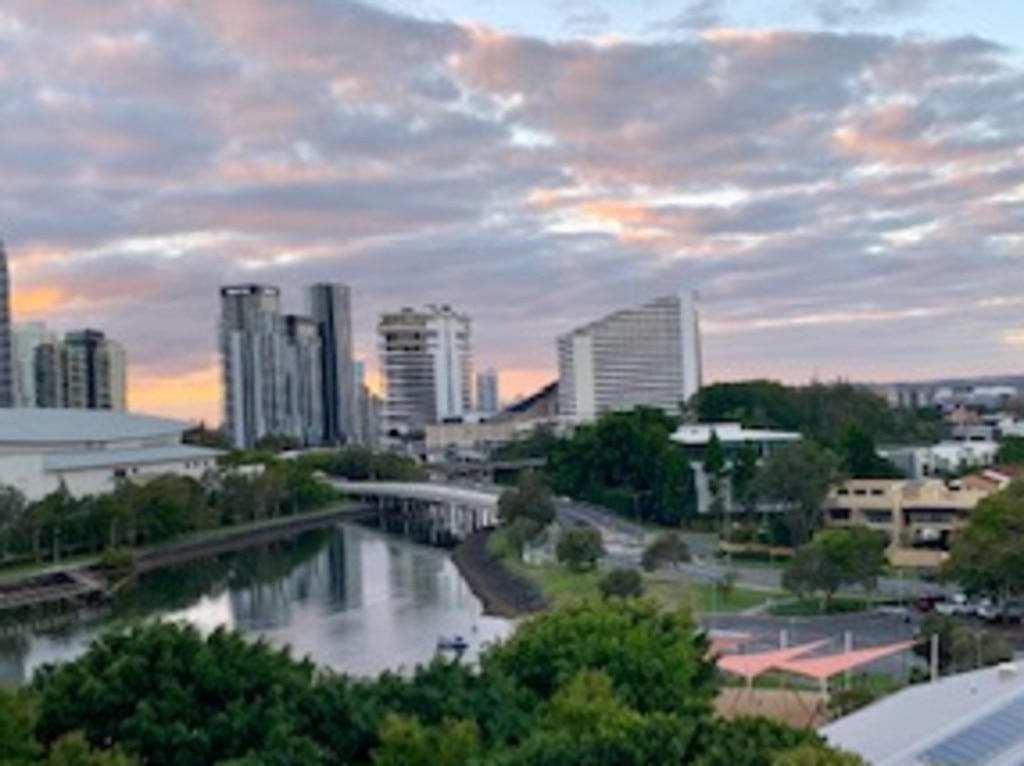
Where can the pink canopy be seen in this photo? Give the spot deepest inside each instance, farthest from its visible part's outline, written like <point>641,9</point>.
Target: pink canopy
<point>723,642</point>
<point>753,665</point>
<point>823,668</point>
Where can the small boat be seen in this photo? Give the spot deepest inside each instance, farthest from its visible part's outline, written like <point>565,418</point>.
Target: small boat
<point>452,644</point>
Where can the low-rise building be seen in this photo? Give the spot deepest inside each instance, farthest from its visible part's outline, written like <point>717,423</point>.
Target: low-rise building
<point>733,438</point>
<point>89,451</point>
<point>923,513</point>
<point>942,459</point>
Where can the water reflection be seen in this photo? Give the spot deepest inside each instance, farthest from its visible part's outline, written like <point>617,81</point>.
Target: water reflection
<point>350,598</point>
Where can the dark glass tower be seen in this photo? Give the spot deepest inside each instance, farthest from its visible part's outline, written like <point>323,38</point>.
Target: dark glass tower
<point>330,306</point>
<point>6,375</point>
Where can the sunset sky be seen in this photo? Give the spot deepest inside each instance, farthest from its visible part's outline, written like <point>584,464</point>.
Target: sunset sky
<point>841,180</point>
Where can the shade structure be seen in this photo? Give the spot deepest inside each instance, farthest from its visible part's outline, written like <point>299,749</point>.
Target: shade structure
<point>752,665</point>
<point>823,668</point>
<point>723,642</point>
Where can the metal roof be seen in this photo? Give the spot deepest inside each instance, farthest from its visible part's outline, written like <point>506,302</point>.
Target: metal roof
<point>48,426</point>
<point>960,719</point>
<point>101,458</point>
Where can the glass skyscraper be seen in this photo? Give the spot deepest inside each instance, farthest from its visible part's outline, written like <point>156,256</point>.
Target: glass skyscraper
<point>6,373</point>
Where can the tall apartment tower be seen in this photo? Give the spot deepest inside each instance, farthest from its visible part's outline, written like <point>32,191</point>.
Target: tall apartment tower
<point>427,366</point>
<point>303,397</point>
<point>487,402</point>
<point>94,371</point>
<point>649,355</point>
<point>252,349</point>
<point>26,338</point>
<point>330,307</point>
<point>6,374</point>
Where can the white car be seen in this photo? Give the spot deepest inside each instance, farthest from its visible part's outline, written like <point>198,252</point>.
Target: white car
<point>956,606</point>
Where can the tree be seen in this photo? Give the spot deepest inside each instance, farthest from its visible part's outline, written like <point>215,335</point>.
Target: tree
<point>667,548</point>
<point>860,458</point>
<point>988,557</point>
<point>17,726</point>
<point>1011,450</point>
<point>748,741</point>
<point>655,660</point>
<point>529,502</point>
<point>621,583</point>
<point>797,476</point>
<point>579,547</point>
<point>627,462</point>
<point>962,646</point>
<point>836,557</point>
<point>405,741</point>
<point>716,470</point>
<point>816,755</point>
<point>742,474</point>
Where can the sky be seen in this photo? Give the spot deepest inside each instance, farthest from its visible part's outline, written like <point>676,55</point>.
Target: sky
<point>842,181</point>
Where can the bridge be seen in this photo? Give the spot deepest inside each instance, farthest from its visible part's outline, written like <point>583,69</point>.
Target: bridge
<point>437,513</point>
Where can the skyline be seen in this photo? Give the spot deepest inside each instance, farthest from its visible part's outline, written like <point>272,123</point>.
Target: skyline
<point>842,182</point>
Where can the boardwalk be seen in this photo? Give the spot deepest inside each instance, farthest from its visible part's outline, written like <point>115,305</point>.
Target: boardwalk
<point>64,586</point>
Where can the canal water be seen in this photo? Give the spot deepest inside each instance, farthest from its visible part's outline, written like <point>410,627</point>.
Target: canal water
<point>350,598</point>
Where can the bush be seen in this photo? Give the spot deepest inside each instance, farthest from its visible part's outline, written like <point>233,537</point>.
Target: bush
<point>117,561</point>
<point>621,583</point>
<point>666,548</point>
<point>579,548</point>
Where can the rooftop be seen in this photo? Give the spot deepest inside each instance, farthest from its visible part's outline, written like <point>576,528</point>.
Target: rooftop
<point>972,718</point>
<point>48,426</point>
<point>697,434</point>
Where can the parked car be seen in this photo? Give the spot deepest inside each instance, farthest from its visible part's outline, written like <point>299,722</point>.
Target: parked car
<point>957,605</point>
<point>926,602</point>
<point>991,610</point>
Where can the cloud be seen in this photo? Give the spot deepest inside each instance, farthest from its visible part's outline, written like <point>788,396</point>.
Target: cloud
<point>846,203</point>
<point>845,12</point>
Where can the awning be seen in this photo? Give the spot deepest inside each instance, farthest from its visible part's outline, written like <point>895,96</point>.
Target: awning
<point>753,665</point>
<point>823,668</point>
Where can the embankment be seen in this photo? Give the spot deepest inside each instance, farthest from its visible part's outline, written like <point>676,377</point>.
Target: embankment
<point>503,592</point>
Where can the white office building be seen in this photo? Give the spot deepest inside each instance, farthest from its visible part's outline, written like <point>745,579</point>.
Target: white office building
<point>26,337</point>
<point>487,400</point>
<point>426,362</point>
<point>644,356</point>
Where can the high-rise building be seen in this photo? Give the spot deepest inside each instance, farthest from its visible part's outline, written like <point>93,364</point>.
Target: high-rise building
<point>649,355</point>
<point>84,370</point>
<point>26,337</point>
<point>303,397</point>
<point>6,375</point>
<point>94,371</point>
<point>487,402</point>
<point>330,307</point>
<point>252,346</point>
<point>427,367</point>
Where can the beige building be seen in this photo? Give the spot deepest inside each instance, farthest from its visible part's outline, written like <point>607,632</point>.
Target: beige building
<point>917,515</point>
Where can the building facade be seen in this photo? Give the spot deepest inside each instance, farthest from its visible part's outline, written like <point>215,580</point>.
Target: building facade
<point>330,307</point>
<point>487,395</point>
<point>6,373</point>
<point>83,370</point>
<point>644,356</point>
<point>426,364</point>
<point>252,346</point>
<point>303,398</point>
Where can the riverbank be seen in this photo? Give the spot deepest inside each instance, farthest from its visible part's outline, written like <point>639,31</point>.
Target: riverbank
<point>32,581</point>
<point>502,592</point>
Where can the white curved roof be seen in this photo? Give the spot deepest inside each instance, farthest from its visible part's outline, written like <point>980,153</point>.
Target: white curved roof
<point>48,426</point>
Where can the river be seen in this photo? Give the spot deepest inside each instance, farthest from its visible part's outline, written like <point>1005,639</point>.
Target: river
<point>350,598</point>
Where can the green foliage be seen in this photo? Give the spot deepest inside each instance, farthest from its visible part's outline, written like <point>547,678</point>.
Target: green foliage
<point>836,557</point>
<point>821,412</point>
<point>655,659</point>
<point>621,583</point>
<point>797,476</point>
<point>1011,450</point>
<point>749,742</point>
<point>537,444</point>
<point>117,561</point>
<point>668,548</point>
<point>529,503</point>
<point>579,548</point>
<point>361,464</point>
<point>860,458</point>
<point>404,741</point>
<point>626,462</point>
<point>962,646</point>
<point>172,697</point>
<point>988,557</point>
<point>603,684</point>
<point>743,475</point>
